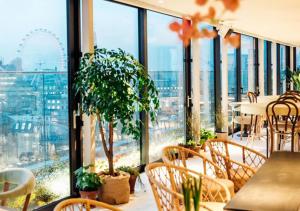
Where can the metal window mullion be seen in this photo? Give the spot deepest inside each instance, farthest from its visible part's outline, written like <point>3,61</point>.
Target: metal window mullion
<point>188,90</point>
<point>143,57</point>
<point>288,65</point>
<point>294,59</point>
<point>74,54</point>
<point>278,67</point>
<point>238,73</point>
<point>256,64</point>
<point>217,82</point>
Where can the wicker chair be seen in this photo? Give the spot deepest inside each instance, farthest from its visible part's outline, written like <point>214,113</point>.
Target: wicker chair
<point>240,169</point>
<point>283,121</point>
<point>82,204</point>
<point>166,181</point>
<point>178,156</point>
<point>22,182</point>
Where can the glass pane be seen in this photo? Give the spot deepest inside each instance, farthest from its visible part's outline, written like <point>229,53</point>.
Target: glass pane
<point>207,78</point>
<point>248,68</point>
<point>165,54</point>
<point>232,79</point>
<point>298,58</point>
<point>34,95</point>
<point>282,69</point>
<point>125,36</point>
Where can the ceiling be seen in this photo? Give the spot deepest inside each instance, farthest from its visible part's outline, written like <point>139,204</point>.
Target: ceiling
<point>275,20</point>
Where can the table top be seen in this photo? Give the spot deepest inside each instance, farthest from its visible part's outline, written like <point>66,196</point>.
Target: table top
<point>275,186</point>
<point>260,99</point>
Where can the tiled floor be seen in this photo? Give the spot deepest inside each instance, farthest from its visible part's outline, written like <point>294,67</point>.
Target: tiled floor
<point>143,199</point>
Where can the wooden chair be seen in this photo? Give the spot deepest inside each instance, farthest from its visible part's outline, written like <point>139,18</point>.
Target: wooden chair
<point>80,204</point>
<point>252,121</point>
<point>239,169</point>
<point>178,156</point>
<point>166,183</point>
<point>22,181</point>
<point>283,122</point>
<point>252,97</point>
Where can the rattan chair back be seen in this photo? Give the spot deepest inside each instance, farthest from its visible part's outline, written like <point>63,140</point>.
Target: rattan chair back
<point>178,156</point>
<point>79,204</point>
<point>166,183</point>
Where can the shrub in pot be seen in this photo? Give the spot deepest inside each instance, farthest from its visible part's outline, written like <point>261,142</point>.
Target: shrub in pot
<point>192,145</point>
<point>113,86</point>
<point>87,182</point>
<point>134,175</point>
<point>204,136</point>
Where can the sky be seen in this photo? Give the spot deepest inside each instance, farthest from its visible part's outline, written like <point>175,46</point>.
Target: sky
<point>19,17</point>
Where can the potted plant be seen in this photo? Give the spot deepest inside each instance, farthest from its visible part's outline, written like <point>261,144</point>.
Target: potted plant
<point>204,136</point>
<point>191,190</point>
<point>191,145</point>
<point>134,175</point>
<point>294,76</point>
<point>113,86</point>
<point>87,182</point>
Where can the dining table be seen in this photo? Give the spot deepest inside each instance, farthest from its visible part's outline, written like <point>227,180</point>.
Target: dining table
<point>259,109</point>
<point>274,187</point>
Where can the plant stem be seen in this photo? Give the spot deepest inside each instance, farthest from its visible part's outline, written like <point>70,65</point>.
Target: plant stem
<point>111,144</point>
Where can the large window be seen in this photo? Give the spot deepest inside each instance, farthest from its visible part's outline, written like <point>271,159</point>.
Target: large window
<point>165,54</point>
<point>125,36</point>
<point>207,79</point>
<point>247,66</point>
<point>34,128</point>
<point>282,69</point>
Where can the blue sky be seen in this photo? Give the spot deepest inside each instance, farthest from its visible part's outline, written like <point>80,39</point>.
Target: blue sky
<point>19,17</point>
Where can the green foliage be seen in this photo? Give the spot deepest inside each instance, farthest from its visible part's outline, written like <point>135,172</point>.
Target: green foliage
<point>42,194</point>
<point>114,85</point>
<point>206,135</point>
<point>191,143</point>
<point>40,197</point>
<point>294,76</point>
<point>130,170</point>
<point>191,189</point>
<point>87,181</point>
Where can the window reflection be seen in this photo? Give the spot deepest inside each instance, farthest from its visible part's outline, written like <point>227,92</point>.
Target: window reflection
<point>248,67</point>
<point>34,123</point>
<point>165,53</point>
<point>207,85</point>
<point>125,36</point>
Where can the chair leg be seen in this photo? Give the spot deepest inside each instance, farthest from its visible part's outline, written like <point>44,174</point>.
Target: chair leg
<point>232,129</point>
<point>5,189</point>
<point>241,133</point>
<point>26,203</point>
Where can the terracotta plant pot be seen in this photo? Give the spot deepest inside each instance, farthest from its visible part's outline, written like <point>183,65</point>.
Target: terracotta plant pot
<point>115,189</point>
<point>222,135</point>
<point>132,181</point>
<point>89,194</point>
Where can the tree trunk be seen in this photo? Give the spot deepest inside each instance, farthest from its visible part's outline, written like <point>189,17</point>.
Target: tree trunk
<point>111,147</point>
<point>108,151</point>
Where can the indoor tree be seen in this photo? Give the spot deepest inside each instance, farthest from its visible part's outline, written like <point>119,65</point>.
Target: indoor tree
<point>113,86</point>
